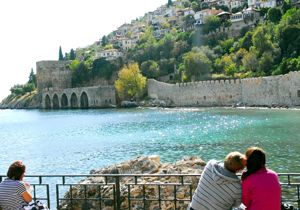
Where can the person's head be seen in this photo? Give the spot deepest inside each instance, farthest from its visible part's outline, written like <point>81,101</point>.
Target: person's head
<point>256,159</point>
<point>234,162</point>
<point>16,170</point>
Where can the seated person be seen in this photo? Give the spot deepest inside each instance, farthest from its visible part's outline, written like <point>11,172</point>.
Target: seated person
<point>219,187</point>
<point>13,191</point>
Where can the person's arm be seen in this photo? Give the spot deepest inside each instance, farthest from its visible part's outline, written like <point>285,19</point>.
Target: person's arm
<point>23,189</point>
<point>27,196</point>
<point>246,197</point>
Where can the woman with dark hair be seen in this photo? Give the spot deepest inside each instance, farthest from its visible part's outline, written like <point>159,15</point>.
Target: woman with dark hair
<point>260,185</point>
<point>13,190</point>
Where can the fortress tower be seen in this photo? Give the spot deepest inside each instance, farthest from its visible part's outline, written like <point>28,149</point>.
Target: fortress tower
<point>53,74</point>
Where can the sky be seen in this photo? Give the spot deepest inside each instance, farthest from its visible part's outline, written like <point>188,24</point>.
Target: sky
<point>33,30</point>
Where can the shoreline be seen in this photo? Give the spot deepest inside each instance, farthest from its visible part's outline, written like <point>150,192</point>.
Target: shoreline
<point>296,108</point>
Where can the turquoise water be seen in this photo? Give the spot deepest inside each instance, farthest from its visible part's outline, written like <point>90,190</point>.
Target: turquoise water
<point>76,141</point>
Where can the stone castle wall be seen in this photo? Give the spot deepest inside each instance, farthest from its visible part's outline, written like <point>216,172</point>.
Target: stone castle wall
<point>281,90</point>
<point>54,84</point>
<point>53,74</point>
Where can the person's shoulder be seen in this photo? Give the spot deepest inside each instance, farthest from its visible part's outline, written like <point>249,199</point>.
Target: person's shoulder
<point>212,162</point>
<point>271,172</point>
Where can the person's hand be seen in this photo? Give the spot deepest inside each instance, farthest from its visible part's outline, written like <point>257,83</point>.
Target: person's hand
<point>28,187</point>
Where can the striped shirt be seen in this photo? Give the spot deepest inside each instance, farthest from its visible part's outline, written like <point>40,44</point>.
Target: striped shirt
<point>11,194</point>
<point>218,189</point>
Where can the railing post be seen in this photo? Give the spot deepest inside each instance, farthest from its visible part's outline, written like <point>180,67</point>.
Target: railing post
<point>118,193</point>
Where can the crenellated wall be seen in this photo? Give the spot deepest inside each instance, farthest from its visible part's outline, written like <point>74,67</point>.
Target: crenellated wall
<point>281,90</point>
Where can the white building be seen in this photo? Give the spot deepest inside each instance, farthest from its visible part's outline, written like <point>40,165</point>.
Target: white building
<point>110,54</point>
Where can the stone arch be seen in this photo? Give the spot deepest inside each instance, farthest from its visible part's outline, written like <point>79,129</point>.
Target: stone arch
<point>74,101</point>
<point>47,102</point>
<point>55,101</point>
<point>64,101</point>
<point>84,101</point>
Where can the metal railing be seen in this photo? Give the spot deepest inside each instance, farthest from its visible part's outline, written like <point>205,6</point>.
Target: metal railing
<point>129,191</point>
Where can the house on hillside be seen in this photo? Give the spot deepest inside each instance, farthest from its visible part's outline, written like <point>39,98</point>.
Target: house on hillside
<point>248,17</point>
<point>262,3</point>
<point>232,3</point>
<point>110,54</point>
<point>200,16</point>
<point>123,29</point>
<point>126,43</point>
<point>188,11</point>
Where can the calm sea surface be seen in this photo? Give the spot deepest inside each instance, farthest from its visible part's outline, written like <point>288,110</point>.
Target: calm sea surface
<point>76,141</point>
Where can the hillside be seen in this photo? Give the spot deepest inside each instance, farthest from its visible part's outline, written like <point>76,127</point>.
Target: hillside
<point>183,42</point>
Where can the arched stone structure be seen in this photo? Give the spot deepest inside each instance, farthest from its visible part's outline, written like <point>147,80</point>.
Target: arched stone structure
<point>64,101</point>
<point>55,101</point>
<point>47,102</point>
<point>83,97</point>
<point>84,101</point>
<point>74,101</point>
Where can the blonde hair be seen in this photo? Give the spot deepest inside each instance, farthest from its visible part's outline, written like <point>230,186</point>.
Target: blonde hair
<point>234,161</point>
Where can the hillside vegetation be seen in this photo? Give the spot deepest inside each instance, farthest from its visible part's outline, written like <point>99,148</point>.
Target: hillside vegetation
<point>204,52</point>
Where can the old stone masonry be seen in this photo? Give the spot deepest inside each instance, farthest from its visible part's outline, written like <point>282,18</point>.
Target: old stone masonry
<point>54,85</point>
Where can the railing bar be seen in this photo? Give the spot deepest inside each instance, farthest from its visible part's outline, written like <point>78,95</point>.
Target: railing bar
<point>159,196</point>
<point>40,180</point>
<point>191,192</point>
<point>144,196</point>
<point>71,196</point>
<point>57,196</point>
<point>85,199</point>
<point>129,203</point>
<point>48,196</point>
<point>34,192</point>
<point>298,195</point>
<point>175,197</point>
<point>100,196</point>
<point>114,197</point>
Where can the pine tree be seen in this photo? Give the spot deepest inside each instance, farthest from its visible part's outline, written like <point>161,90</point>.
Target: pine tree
<point>32,77</point>
<point>104,41</point>
<point>170,3</point>
<point>72,55</point>
<point>60,56</point>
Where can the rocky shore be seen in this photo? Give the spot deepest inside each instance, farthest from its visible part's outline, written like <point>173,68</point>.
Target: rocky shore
<point>143,190</point>
<point>26,101</point>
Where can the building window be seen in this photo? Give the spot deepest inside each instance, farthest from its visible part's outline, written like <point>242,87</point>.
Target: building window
<point>298,93</point>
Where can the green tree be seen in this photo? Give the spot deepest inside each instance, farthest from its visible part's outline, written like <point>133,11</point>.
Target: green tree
<point>130,83</point>
<point>287,65</point>
<point>266,63</point>
<point>212,23</point>
<point>274,15</point>
<point>250,62</point>
<point>289,40</point>
<point>29,87</point>
<point>285,7</point>
<point>170,3</point>
<point>261,40</point>
<point>80,73</point>
<point>32,77</point>
<point>197,66</point>
<point>150,69</point>
<point>103,68</point>
<point>72,55</point>
<point>60,54</point>
<point>104,41</point>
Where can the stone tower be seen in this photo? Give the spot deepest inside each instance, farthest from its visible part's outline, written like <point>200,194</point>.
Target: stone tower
<point>53,74</point>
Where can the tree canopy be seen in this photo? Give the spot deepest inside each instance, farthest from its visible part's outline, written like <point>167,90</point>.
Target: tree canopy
<point>130,83</point>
